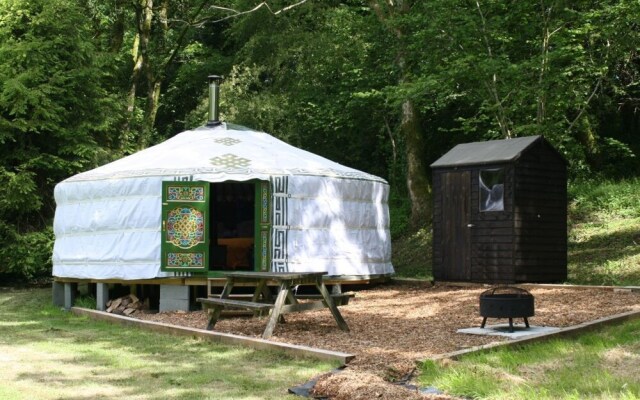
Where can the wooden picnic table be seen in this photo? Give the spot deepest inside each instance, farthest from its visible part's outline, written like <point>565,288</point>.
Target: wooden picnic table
<point>284,303</point>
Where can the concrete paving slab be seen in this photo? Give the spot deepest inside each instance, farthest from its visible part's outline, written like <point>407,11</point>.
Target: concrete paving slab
<point>519,330</point>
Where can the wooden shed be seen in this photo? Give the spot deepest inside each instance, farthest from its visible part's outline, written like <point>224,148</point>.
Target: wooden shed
<point>500,212</point>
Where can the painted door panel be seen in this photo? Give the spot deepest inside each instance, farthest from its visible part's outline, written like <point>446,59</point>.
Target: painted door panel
<point>185,226</point>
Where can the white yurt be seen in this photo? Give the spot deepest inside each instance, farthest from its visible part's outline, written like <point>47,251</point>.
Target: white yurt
<point>217,198</point>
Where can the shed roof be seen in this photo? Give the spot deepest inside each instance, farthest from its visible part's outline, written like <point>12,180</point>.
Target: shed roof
<point>489,152</point>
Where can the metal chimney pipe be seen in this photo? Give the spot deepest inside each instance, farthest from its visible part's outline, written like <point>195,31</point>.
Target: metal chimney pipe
<point>214,100</point>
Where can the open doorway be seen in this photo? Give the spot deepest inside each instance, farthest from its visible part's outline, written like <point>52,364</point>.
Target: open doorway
<point>212,227</point>
<point>232,219</point>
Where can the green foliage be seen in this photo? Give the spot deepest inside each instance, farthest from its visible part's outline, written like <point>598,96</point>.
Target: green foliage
<point>313,77</point>
<point>330,77</point>
<point>529,68</point>
<point>604,200</point>
<point>185,101</point>
<point>26,256</point>
<point>399,213</point>
<point>53,115</point>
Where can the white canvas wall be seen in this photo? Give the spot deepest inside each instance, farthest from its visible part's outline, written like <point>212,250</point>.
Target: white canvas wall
<point>335,218</point>
<point>337,225</point>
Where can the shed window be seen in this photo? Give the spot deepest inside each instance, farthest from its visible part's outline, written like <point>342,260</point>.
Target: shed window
<point>492,190</point>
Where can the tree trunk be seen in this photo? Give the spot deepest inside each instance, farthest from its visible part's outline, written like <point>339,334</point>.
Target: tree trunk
<point>153,102</point>
<point>418,184</point>
<point>154,76</point>
<point>144,17</point>
<point>118,30</point>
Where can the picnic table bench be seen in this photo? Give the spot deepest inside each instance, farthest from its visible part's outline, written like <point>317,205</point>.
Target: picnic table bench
<point>284,303</point>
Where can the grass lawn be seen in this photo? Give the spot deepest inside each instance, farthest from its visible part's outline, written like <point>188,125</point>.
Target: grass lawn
<point>598,365</point>
<point>46,353</point>
<point>604,233</point>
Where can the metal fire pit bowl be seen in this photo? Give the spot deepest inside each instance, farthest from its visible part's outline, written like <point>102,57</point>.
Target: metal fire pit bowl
<point>506,302</point>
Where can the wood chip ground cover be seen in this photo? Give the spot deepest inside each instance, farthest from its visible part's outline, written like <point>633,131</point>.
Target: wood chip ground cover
<point>393,326</point>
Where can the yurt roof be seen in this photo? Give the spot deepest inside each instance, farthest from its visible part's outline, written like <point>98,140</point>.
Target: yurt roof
<point>223,152</point>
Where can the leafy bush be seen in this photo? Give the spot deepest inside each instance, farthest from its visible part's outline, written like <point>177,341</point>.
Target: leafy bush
<point>25,256</point>
<point>400,214</point>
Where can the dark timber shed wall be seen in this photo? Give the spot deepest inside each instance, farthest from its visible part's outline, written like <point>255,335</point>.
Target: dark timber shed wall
<point>524,242</point>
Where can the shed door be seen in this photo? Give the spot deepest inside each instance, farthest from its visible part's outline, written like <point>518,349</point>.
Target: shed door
<point>456,232</point>
<point>185,226</point>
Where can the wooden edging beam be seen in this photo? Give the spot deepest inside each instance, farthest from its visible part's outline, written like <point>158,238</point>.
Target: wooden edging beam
<point>225,338</point>
<point>479,285</point>
<point>410,281</point>
<point>563,332</point>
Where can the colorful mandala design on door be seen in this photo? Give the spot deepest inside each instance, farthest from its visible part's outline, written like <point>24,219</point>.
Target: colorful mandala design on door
<point>185,227</point>
<point>185,260</point>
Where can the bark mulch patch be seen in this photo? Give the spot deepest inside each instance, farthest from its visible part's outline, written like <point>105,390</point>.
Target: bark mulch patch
<point>393,326</point>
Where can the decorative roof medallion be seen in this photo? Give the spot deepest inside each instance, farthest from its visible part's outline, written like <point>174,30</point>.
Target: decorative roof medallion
<point>230,161</point>
<point>227,141</point>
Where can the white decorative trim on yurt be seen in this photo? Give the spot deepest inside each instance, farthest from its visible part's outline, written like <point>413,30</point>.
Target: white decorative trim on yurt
<point>229,170</point>
<point>280,194</point>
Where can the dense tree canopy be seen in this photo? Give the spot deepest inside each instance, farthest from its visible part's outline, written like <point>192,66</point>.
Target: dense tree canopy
<point>55,117</point>
<point>379,85</point>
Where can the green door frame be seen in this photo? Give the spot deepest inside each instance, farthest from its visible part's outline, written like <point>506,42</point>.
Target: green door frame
<point>262,248</point>
<point>186,237</point>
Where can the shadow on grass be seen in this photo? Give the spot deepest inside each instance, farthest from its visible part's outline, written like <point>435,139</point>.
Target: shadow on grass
<point>86,359</point>
<point>611,257</point>
<point>412,255</point>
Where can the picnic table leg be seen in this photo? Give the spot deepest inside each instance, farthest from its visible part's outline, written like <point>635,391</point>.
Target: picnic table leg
<point>332,306</point>
<point>281,319</point>
<point>277,308</point>
<point>292,299</point>
<point>215,314</point>
<point>261,289</point>
<point>217,309</point>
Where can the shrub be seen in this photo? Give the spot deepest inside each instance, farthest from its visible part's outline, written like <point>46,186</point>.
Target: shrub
<point>25,256</point>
